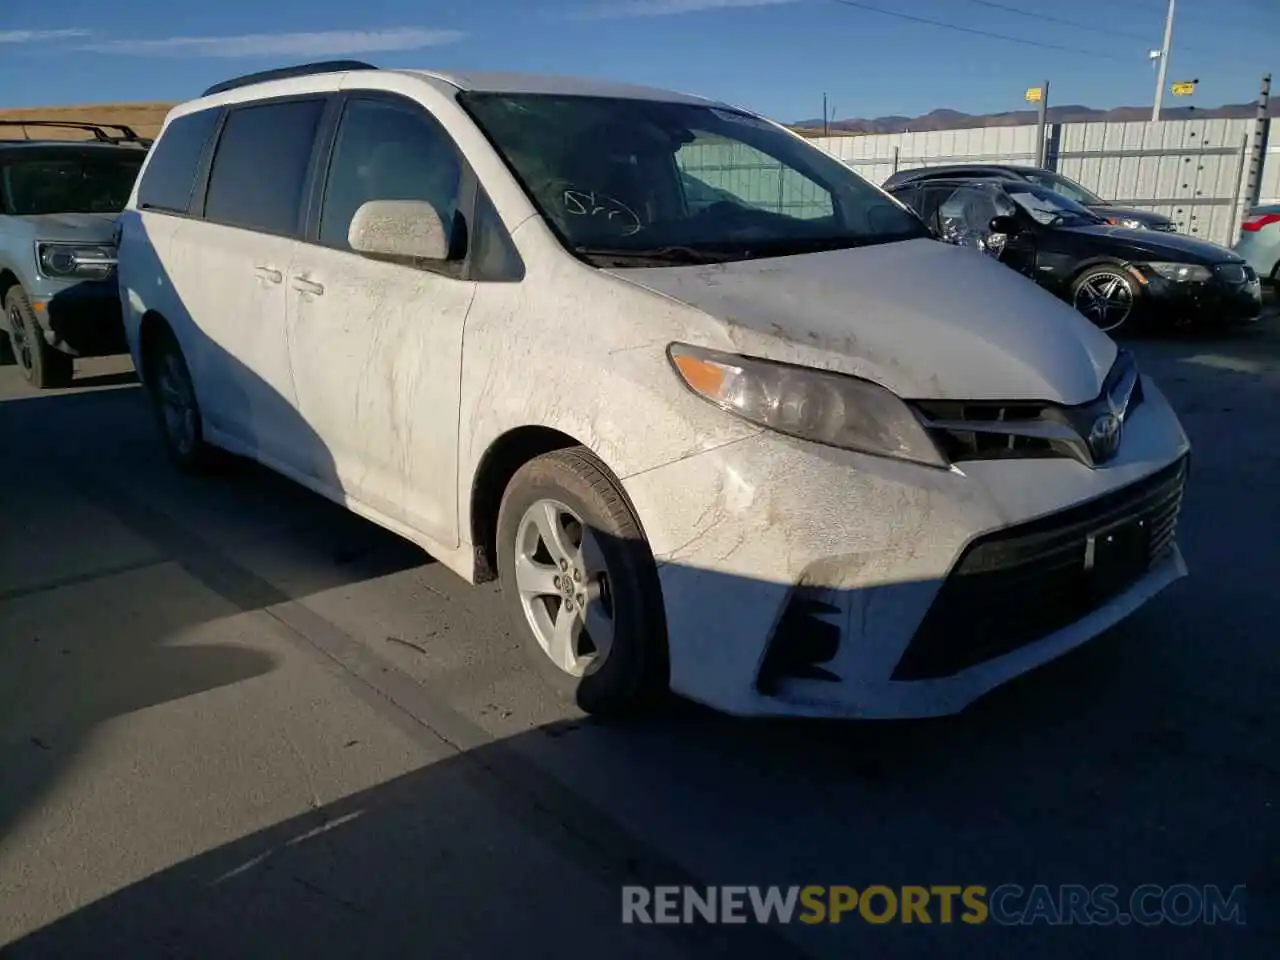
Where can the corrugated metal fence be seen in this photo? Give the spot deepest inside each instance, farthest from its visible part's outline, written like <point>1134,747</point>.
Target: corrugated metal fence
<point>1193,171</point>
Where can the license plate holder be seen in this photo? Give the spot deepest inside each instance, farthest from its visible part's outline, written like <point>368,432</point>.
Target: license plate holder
<point>1116,557</point>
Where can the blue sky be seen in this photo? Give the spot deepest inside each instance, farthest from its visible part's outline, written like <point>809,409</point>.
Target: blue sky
<point>774,56</point>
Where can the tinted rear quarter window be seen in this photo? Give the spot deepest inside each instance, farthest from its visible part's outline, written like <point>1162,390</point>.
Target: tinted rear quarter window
<point>260,167</point>
<point>171,173</point>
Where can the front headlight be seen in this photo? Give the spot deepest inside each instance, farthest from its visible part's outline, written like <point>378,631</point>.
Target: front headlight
<point>1122,222</point>
<point>76,261</point>
<point>1181,272</point>
<point>828,408</point>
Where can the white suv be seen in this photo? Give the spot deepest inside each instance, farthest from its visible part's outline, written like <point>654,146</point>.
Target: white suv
<point>721,415</point>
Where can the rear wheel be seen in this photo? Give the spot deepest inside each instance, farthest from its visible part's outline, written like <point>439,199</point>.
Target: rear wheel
<point>43,366</point>
<point>580,584</point>
<point>1106,295</point>
<point>173,401</point>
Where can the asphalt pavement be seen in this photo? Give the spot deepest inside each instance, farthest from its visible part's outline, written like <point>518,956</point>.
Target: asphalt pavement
<point>237,721</point>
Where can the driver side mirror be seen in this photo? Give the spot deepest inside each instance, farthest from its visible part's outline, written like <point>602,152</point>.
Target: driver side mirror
<point>1005,225</point>
<point>399,229</point>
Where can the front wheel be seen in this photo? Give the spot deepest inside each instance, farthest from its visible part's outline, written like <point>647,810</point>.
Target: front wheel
<point>580,584</point>
<point>44,367</point>
<point>1106,295</point>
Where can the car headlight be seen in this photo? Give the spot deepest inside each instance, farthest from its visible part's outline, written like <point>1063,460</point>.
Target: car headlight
<point>828,408</point>
<point>76,261</point>
<point>1181,272</point>
<point>1122,222</point>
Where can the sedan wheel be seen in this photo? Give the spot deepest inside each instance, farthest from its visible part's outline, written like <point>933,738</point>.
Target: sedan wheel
<point>1105,295</point>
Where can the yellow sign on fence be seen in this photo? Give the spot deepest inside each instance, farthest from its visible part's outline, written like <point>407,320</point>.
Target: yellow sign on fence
<point>1184,89</point>
<point>1034,94</point>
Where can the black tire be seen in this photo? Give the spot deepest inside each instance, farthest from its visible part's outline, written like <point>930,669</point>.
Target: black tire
<point>633,676</point>
<point>44,367</point>
<point>165,369</point>
<point>1093,274</point>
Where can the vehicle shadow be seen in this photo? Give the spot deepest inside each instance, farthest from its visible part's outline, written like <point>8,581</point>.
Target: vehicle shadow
<point>98,617</point>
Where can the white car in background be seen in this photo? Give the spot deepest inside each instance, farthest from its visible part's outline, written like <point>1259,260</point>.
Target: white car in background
<point>768,443</point>
<point>1259,241</point>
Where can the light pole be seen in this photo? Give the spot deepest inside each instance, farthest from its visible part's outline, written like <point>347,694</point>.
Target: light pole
<point>1164,61</point>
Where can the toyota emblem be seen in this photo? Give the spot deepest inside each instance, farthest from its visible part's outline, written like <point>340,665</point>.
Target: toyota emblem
<point>1104,437</point>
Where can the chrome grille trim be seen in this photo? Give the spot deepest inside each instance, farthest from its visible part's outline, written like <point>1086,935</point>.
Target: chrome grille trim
<point>994,430</point>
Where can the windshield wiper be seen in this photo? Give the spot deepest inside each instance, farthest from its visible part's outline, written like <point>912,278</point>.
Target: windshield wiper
<point>727,250</point>
<point>655,256</point>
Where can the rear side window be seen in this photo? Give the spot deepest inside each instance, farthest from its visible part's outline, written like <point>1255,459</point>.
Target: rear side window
<point>171,172</point>
<point>260,167</point>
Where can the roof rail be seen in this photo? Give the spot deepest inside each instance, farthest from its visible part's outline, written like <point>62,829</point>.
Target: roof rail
<point>284,73</point>
<point>99,130</point>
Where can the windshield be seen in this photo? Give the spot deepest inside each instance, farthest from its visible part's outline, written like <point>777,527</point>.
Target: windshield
<point>68,184</point>
<point>1048,207</point>
<point>640,182</point>
<point>1068,188</point>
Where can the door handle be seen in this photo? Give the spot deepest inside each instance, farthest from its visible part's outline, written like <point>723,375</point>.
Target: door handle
<point>303,285</point>
<point>270,274</point>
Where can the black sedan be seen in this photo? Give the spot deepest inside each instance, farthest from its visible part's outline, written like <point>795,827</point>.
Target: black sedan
<point>1050,180</point>
<point>1113,275</point>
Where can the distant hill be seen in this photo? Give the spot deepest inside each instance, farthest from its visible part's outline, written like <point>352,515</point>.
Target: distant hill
<point>1071,113</point>
<point>144,118</point>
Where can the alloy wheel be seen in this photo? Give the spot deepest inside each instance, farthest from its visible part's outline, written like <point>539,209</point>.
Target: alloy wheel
<point>20,338</point>
<point>1105,298</point>
<point>563,582</point>
<point>177,404</point>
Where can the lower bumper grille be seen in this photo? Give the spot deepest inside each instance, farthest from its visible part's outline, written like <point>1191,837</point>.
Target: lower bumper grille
<point>1015,586</point>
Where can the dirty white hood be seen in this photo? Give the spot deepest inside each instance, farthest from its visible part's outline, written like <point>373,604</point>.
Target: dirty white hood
<point>926,319</point>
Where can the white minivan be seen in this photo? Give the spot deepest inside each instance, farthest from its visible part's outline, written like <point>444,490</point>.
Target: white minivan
<point>722,417</point>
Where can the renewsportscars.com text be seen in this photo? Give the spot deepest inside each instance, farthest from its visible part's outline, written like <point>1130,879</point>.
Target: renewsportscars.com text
<point>1006,905</point>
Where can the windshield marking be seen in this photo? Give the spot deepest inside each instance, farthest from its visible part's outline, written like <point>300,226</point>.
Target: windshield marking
<point>580,203</point>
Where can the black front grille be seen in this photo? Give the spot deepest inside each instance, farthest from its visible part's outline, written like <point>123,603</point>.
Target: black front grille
<point>959,445</point>
<point>1233,272</point>
<point>982,439</point>
<point>1020,584</point>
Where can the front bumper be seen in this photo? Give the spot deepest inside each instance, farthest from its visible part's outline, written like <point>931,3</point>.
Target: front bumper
<point>800,581</point>
<point>83,320</point>
<point>1215,302</point>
